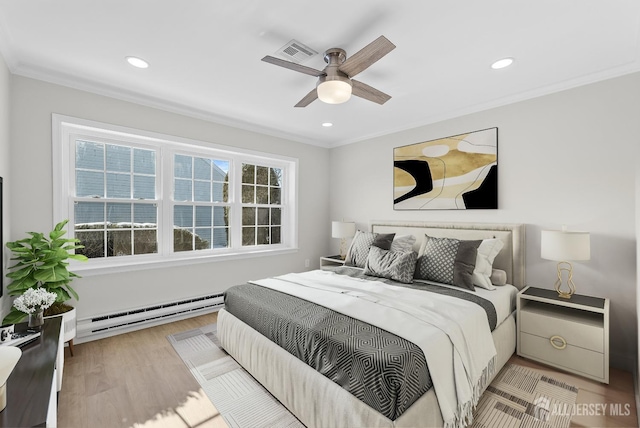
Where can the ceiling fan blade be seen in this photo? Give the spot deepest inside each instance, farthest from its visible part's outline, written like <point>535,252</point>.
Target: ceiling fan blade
<point>365,91</point>
<point>293,66</point>
<point>366,56</point>
<point>308,99</point>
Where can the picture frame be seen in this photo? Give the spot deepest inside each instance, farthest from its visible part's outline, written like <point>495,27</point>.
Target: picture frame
<point>459,172</point>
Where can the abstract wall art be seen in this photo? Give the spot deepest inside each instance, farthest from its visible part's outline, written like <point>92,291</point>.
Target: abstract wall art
<point>454,173</point>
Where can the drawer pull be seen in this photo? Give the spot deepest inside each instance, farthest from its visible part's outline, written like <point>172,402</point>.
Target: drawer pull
<point>558,342</point>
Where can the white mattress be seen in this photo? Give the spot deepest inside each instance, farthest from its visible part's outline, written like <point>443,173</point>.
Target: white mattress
<point>503,297</point>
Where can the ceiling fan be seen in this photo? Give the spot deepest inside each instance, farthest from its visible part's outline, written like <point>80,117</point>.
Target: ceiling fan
<point>335,84</point>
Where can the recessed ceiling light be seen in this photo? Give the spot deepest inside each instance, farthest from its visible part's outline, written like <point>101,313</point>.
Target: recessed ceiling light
<point>502,63</point>
<point>327,124</point>
<point>137,62</point>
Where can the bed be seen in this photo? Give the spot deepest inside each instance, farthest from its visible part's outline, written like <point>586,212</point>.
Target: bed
<point>320,402</point>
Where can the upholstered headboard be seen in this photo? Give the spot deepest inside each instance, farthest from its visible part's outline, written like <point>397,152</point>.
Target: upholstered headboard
<point>511,258</point>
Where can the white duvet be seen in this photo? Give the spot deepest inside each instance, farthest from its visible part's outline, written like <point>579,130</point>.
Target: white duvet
<point>453,334</point>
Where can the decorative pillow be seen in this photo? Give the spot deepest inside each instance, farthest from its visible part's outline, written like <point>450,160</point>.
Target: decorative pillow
<point>403,243</point>
<point>487,252</point>
<point>359,248</point>
<point>383,240</point>
<point>392,265</point>
<point>498,277</point>
<point>448,261</point>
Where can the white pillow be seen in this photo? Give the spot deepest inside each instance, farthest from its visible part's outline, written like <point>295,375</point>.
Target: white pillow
<point>487,252</point>
<point>403,243</point>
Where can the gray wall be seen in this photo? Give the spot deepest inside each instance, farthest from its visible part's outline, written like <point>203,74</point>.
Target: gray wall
<point>34,101</point>
<point>5,120</point>
<point>566,158</point>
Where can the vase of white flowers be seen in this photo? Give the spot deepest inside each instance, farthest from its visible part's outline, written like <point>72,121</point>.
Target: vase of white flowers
<point>36,319</point>
<point>33,302</point>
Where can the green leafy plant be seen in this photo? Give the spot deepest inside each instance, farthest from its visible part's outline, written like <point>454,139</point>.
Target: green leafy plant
<point>42,263</point>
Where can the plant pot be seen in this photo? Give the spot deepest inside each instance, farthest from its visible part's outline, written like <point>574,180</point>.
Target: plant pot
<point>68,324</point>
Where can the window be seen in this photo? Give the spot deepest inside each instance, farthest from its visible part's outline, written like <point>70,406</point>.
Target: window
<point>201,212</point>
<point>121,175</point>
<point>136,198</point>
<point>261,205</point>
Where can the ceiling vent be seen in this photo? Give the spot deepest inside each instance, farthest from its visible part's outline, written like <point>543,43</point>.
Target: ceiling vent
<point>295,51</point>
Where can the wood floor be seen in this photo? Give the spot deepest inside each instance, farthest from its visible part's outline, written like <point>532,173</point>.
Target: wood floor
<point>597,405</point>
<point>134,380</point>
<point>137,380</point>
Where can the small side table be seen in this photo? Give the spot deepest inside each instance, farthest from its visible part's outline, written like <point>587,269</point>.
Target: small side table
<point>331,261</point>
<point>570,334</point>
<point>31,387</point>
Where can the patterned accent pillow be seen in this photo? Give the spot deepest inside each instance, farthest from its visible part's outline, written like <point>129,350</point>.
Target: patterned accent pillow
<point>448,261</point>
<point>392,265</point>
<point>359,248</point>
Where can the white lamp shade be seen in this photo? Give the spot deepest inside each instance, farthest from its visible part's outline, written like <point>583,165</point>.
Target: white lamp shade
<point>341,229</point>
<point>561,245</point>
<point>334,91</point>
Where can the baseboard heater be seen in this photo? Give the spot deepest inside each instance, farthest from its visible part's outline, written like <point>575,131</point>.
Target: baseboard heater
<point>135,319</point>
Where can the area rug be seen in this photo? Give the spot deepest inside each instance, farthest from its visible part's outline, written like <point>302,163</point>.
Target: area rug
<point>240,399</point>
<point>517,398</point>
<point>520,397</point>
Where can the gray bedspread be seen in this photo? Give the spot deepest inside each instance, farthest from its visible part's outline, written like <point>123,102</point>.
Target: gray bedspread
<point>385,371</point>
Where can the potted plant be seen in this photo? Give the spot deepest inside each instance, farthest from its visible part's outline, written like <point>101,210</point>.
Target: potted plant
<point>42,263</point>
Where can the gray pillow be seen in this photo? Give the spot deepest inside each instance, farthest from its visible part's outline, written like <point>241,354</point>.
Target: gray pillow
<point>448,261</point>
<point>398,266</point>
<point>359,248</point>
<point>383,240</point>
<point>498,277</point>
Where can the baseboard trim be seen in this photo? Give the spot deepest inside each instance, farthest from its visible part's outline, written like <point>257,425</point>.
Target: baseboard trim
<point>108,333</point>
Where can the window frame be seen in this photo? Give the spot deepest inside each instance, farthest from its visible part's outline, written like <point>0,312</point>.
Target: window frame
<point>66,130</point>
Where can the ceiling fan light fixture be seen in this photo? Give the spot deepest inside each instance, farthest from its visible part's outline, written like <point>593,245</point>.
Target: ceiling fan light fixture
<point>137,62</point>
<point>502,63</point>
<point>334,91</point>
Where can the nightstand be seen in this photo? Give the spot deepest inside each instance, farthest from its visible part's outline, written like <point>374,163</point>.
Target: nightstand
<point>331,261</point>
<point>570,334</point>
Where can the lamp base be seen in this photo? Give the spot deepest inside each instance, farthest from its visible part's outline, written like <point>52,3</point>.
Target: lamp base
<point>343,251</point>
<point>563,294</point>
<point>565,267</point>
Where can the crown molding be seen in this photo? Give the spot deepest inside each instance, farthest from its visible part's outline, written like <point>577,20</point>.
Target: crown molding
<point>83,84</point>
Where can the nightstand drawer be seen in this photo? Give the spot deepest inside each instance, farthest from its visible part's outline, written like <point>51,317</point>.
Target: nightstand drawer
<point>572,358</point>
<point>544,323</point>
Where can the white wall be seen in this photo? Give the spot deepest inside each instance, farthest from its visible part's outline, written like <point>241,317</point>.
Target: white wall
<point>566,158</point>
<point>31,203</point>
<point>637,377</point>
<point>5,173</point>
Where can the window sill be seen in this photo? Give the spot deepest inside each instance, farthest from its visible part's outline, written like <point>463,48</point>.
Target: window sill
<point>103,267</point>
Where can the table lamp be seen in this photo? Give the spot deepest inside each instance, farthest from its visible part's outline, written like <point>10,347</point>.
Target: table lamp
<point>342,230</point>
<point>562,246</point>
<point>9,356</point>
